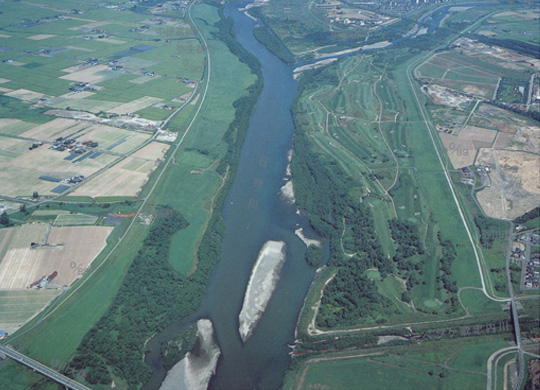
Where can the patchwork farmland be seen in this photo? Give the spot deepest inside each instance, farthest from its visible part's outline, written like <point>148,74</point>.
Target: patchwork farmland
<point>89,97</point>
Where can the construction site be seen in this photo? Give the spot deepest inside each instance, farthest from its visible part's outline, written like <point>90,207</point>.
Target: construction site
<point>468,88</point>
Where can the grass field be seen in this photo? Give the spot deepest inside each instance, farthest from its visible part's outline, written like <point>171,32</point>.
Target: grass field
<point>475,356</point>
<point>370,374</point>
<point>478,304</point>
<point>193,192</point>
<point>345,127</point>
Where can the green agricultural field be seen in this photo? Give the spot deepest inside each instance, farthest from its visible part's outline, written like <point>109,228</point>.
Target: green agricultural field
<point>75,220</point>
<point>520,25</point>
<point>55,48</point>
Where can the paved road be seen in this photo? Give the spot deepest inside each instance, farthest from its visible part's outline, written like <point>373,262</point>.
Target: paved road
<point>42,369</point>
<point>513,307</point>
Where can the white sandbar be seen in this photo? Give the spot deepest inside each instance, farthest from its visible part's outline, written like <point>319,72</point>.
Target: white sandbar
<point>262,283</point>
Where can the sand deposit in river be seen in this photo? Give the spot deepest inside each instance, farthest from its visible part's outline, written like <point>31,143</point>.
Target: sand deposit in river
<point>262,283</point>
<point>197,368</point>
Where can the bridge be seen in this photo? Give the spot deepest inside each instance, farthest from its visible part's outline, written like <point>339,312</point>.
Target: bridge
<point>41,368</point>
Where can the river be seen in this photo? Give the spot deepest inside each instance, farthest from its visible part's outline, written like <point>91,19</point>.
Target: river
<point>255,212</point>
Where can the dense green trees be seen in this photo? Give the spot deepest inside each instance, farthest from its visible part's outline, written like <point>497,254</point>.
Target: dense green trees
<point>314,255</point>
<point>4,219</point>
<point>151,296</point>
<point>534,213</point>
<point>265,36</point>
<point>489,230</point>
<point>405,234</point>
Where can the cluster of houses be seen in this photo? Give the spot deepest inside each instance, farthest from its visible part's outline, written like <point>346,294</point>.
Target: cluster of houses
<point>72,145</point>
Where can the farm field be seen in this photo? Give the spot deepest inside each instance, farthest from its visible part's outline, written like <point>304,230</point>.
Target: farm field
<point>18,306</point>
<point>43,169</point>
<point>93,65</point>
<point>127,177</point>
<point>74,219</point>
<point>69,250</point>
<point>518,25</point>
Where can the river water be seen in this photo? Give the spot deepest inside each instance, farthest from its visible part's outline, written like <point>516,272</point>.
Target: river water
<point>255,212</point>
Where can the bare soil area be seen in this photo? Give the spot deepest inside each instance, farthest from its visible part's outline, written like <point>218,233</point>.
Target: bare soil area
<point>515,183</point>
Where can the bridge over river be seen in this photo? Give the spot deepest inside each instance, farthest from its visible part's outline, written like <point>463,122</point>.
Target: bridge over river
<point>41,368</point>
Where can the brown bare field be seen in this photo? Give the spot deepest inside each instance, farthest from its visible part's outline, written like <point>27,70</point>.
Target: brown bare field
<point>525,139</point>
<point>57,127</point>
<point>2,81</point>
<point>462,147</point>
<point>76,95</point>
<point>515,183</point>
<point>5,36</point>
<point>26,95</point>
<point>135,105</point>
<point>16,63</point>
<point>154,151</point>
<point>79,48</point>
<point>491,117</point>
<point>8,121</point>
<point>40,37</point>
<point>88,75</point>
<point>11,147</point>
<point>76,249</point>
<point>128,176</point>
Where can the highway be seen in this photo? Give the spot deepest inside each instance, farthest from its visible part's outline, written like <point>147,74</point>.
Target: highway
<point>42,369</point>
